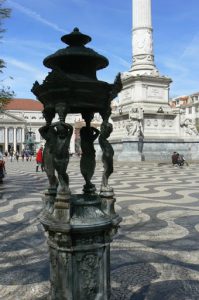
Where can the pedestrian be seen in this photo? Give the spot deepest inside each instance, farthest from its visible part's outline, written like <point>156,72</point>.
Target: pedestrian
<point>22,155</point>
<point>39,159</point>
<point>2,168</point>
<point>174,158</point>
<point>27,155</point>
<point>1,155</point>
<point>30,154</point>
<point>17,156</point>
<point>181,160</point>
<point>11,155</point>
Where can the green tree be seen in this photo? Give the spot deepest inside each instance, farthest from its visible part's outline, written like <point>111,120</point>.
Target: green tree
<point>5,92</point>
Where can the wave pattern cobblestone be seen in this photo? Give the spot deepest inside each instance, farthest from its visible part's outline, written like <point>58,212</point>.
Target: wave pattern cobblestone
<point>155,254</point>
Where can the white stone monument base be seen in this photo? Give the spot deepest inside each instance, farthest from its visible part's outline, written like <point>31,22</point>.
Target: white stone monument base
<point>155,150</point>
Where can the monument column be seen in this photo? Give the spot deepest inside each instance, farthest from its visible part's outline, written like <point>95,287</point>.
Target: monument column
<point>6,139</point>
<point>23,135</point>
<point>146,117</point>
<point>14,139</point>
<point>142,39</point>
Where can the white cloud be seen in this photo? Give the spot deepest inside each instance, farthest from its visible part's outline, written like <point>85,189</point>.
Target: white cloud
<point>192,49</point>
<point>20,64</point>
<point>121,61</point>
<point>30,44</point>
<point>34,15</point>
<point>25,70</point>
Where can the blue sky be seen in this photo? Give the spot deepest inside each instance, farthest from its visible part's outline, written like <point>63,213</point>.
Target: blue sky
<point>35,27</point>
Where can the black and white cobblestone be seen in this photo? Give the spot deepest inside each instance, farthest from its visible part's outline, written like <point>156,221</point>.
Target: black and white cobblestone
<point>155,256</point>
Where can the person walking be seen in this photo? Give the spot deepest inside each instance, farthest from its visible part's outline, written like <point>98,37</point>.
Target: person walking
<point>2,168</point>
<point>22,155</point>
<point>26,155</point>
<point>39,159</point>
<point>17,156</point>
<point>11,154</point>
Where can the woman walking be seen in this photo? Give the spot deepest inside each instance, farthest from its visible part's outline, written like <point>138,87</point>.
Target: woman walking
<point>39,159</point>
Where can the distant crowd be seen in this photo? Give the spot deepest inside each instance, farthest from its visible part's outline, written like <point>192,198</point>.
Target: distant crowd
<point>26,154</point>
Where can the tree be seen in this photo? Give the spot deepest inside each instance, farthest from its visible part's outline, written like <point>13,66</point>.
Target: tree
<point>5,92</point>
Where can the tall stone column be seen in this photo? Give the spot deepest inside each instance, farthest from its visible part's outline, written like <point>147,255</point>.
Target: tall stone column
<point>23,135</point>
<point>72,143</point>
<point>142,39</point>
<point>14,139</point>
<point>6,139</point>
<point>144,114</point>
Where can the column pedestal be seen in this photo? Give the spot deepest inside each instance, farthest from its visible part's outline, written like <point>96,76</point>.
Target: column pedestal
<point>80,249</point>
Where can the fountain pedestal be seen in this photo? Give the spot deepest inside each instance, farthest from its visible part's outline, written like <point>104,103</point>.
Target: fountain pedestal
<point>80,249</point>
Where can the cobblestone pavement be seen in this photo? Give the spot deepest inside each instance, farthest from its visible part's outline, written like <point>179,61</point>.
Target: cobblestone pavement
<point>155,255</point>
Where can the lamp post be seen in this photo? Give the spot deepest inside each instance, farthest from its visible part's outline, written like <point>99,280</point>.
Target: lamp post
<point>30,141</point>
<point>80,226</point>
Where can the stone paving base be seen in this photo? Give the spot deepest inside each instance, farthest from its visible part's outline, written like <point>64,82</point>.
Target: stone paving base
<point>155,255</point>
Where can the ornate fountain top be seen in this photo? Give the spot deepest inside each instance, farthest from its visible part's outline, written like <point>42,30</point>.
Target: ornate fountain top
<point>76,56</point>
<point>72,85</point>
<point>76,38</point>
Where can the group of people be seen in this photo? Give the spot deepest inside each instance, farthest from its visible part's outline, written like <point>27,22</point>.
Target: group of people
<point>12,155</point>
<point>26,154</point>
<point>178,159</point>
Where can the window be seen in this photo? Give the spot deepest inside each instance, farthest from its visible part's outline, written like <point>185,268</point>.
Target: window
<point>190,110</point>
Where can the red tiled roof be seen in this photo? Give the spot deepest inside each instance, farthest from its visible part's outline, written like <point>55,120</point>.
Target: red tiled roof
<point>24,104</point>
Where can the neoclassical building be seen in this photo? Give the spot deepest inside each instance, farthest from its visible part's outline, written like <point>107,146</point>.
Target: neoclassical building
<point>21,116</point>
<point>18,117</point>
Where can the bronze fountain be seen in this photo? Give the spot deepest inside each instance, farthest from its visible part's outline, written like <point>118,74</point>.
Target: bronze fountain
<point>80,226</point>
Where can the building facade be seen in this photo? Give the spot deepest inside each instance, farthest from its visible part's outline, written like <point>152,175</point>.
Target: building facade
<point>189,107</point>
<point>22,116</point>
<point>17,118</point>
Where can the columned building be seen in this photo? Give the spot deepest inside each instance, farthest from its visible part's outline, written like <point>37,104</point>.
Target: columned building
<point>18,117</point>
<point>21,116</point>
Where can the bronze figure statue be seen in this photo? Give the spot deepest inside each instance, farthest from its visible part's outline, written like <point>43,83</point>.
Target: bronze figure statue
<point>48,132</point>
<point>61,153</point>
<point>107,154</point>
<point>87,163</point>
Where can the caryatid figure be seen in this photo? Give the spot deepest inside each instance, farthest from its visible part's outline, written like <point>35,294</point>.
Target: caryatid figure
<point>87,163</point>
<point>48,132</point>
<point>107,154</point>
<point>61,154</point>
